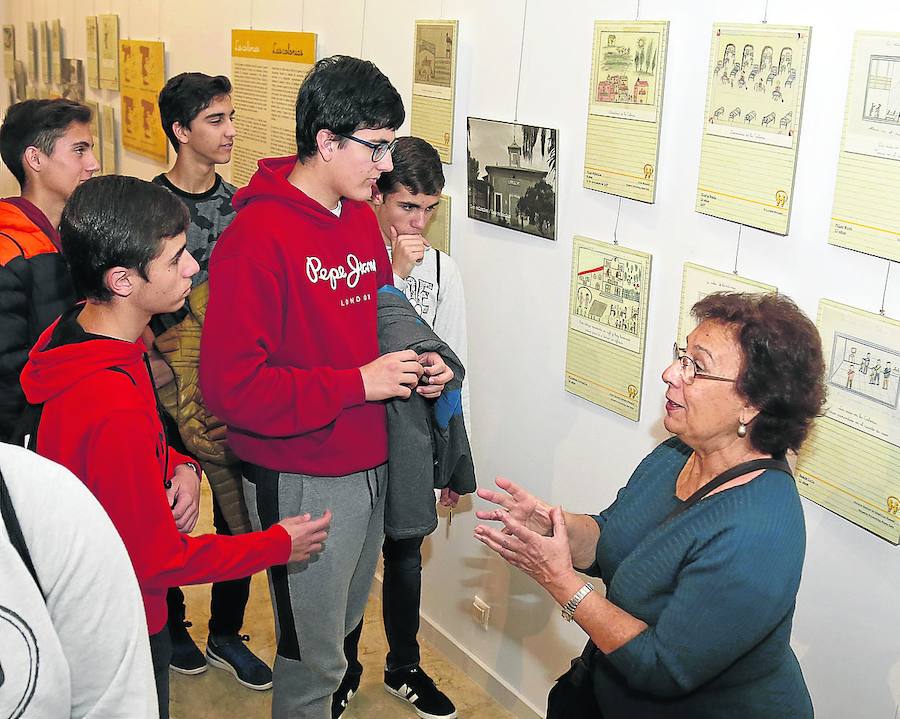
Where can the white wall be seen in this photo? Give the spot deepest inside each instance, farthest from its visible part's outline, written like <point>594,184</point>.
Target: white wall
<point>526,426</point>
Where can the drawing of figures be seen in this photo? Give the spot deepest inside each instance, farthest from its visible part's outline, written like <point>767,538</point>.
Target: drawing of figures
<point>792,75</point>
<point>852,355</point>
<point>449,43</point>
<point>776,94</point>
<point>887,375</point>
<point>765,60</point>
<point>786,120</point>
<point>768,119</point>
<point>850,372</point>
<point>784,61</point>
<point>875,377</point>
<point>864,365</point>
<point>735,113</point>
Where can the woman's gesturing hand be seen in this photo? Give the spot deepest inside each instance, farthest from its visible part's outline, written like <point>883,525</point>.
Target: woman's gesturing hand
<point>518,504</point>
<point>546,559</point>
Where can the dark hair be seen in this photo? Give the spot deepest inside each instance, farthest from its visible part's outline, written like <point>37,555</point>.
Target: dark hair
<point>116,221</point>
<point>417,167</point>
<point>782,369</point>
<point>187,95</point>
<point>344,94</point>
<point>38,123</point>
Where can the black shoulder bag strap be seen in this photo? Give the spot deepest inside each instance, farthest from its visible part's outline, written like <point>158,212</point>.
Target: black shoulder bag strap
<point>14,529</point>
<point>739,470</point>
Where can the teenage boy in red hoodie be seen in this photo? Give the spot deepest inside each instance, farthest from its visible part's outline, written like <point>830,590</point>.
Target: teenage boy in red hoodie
<point>125,243</point>
<point>289,361</point>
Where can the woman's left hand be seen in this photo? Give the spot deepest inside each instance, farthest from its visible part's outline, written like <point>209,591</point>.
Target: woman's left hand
<point>547,560</point>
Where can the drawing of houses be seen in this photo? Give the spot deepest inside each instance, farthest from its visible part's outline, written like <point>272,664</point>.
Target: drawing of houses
<point>641,88</point>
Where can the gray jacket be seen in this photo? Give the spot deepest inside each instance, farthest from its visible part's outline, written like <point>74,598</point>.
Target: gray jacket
<point>427,442</point>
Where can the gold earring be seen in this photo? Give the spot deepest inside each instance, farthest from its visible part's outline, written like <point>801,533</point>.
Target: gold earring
<point>742,429</point>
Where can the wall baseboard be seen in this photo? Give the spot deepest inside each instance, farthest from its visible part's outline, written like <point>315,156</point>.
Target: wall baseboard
<point>501,692</point>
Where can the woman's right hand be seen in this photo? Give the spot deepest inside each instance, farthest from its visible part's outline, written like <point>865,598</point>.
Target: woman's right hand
<point>521,506</point>
<point>307,535</point>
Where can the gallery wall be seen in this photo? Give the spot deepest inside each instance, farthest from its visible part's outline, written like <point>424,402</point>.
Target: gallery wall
<point>524,426</point>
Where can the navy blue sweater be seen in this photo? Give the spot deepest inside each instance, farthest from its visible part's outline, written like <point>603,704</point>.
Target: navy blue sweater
<point>717,586</point>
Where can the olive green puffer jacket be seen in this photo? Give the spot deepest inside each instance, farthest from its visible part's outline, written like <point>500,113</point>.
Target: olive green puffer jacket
<point>202,433</point>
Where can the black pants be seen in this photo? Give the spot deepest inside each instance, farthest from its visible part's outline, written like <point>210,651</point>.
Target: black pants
<point>161,655</point>
<point>401,594</point>
<point>228,599</point>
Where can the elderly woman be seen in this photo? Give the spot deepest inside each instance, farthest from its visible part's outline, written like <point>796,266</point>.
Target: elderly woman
<point>702,550</point>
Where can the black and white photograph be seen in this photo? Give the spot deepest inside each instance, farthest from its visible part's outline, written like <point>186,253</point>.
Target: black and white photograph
<point>512,175</point>
<point>72,86</point>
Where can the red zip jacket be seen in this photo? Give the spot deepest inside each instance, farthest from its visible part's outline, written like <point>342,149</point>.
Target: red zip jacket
<point>100,421</point>
<point>291,319</point>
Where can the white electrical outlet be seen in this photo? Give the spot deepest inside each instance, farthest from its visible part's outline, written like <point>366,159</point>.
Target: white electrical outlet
<point>482,612</point>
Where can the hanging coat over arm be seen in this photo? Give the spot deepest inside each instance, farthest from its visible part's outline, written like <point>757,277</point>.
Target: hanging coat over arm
<point>427,441</point>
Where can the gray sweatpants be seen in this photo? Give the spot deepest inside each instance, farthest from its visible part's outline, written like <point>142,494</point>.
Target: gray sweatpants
<point>319,602</point>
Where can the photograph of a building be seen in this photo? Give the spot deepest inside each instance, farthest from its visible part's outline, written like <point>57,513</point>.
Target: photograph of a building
<point>512,177</point>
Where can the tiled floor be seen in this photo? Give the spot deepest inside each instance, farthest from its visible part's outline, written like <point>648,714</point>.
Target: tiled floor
<point>215,694</point>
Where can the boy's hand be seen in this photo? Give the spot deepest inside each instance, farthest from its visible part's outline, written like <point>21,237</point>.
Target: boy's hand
<point>407,251</point>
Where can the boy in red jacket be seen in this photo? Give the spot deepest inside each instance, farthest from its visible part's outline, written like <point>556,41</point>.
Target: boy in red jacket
<point>289,361</point>
<point>125,243</point>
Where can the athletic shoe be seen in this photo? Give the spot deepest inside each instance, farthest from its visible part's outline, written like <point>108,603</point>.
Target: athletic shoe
<point>417,688</point>
<point>341,698</point>
<point>230,654</point>
<point>186,657</point>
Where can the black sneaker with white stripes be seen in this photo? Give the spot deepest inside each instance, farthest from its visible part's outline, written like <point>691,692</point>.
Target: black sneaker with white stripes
<point>417,688</point>
<point>345,692</point>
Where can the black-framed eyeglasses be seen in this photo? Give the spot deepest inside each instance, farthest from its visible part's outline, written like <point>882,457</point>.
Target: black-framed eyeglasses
<point>379,149</point>
<point>689,371</point>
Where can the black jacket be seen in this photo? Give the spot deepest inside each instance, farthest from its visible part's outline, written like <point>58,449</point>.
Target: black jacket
<point>427,442</point>
<point>35,288</point>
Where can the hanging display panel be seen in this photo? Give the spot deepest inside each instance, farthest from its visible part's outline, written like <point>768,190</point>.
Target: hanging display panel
<point>849,462</point>
<point>754,98</point>
<point>512,178</point>
<point>605,346</point>
<point>267,69</point>
<point>866,213</point>
<point>434,84</point>
<point>625,108</point>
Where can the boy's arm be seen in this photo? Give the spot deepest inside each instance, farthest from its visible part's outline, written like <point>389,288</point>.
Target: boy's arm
<point>125,477</point>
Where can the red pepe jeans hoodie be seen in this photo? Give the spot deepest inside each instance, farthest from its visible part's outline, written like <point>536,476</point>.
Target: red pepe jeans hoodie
<point>291,319</point>
<point>100,421</point>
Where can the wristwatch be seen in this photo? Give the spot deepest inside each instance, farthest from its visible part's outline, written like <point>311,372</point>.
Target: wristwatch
<point>568,610</point>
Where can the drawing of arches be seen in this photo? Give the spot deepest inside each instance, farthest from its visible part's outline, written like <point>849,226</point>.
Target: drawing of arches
<point>747,56</point>
<point>784,61</point>
<point>765,60</point>
<point>728,57</point>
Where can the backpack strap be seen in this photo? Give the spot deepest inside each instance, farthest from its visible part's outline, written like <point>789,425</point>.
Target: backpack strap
<point>14,529</point>
<point>437,294</point>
